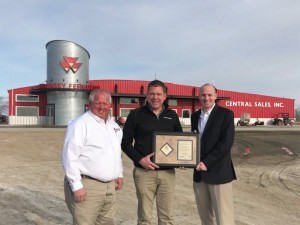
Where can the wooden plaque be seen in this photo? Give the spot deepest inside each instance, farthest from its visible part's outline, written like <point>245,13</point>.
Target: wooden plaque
<point>176,149</point>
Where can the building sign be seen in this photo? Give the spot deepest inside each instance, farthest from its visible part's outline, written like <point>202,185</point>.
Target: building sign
<point>70,63</point>
<point>255,104</point>
<point>67,86</point>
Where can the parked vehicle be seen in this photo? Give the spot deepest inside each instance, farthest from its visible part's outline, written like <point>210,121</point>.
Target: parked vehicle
<point>283,119</point>
<point>245,120</point>
<point>257,122</point>
<point>3,119</point>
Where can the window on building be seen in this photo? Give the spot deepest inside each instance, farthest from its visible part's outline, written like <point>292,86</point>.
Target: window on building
<point>129,101</point>
<point>27,98</point>
<point>125,112</point>
<point>27,111</point>
<point>186,113</point>
<point>172,102</point>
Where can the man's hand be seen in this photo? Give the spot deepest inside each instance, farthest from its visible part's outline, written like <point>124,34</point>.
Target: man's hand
<point>201,167</point>
<point>119,183</point>
<point>147,164</point>
<point>79,195</point>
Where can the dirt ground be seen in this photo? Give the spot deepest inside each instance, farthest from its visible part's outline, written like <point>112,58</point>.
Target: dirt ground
<point>267,190</point>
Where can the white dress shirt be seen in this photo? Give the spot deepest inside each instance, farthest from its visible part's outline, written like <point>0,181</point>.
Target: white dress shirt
<point>93,148</point>
<point>203,120</point>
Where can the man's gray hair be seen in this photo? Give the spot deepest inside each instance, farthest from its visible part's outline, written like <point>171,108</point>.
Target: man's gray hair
<point>99,91</point>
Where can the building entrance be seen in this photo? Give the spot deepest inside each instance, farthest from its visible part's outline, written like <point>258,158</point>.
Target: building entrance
<point>50,114</point>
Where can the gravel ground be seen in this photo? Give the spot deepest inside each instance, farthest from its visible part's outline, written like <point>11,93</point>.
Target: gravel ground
<point>267,190</point>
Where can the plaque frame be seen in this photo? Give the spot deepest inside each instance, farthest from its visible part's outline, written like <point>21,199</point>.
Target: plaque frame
<point>167,153</point>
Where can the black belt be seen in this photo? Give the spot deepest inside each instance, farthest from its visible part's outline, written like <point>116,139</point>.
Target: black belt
<point>92,178</point>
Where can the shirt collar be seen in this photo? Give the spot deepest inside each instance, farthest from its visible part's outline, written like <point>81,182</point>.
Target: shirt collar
<point>209,111</point>
<point>162,109</point>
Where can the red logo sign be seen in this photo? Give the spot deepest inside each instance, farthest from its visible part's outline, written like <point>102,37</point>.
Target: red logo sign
<point>70,63</point>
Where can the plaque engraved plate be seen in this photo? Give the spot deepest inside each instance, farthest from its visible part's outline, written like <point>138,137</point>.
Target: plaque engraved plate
<point>185,150</point>
<point>176,149</point>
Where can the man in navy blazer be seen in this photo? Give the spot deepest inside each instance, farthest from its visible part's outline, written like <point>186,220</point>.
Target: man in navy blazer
<point>214,174</point>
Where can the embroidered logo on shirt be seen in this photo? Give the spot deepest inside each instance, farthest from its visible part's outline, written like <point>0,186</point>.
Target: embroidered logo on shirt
<point>169,118</point>
<point>117,129</point>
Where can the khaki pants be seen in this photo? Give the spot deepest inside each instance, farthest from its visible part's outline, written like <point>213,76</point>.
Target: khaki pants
<point>214,203</point>
<point>150,184</point>
<point>99,206</point>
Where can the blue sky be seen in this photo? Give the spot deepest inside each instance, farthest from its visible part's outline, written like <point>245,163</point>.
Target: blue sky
<point>240,45</point>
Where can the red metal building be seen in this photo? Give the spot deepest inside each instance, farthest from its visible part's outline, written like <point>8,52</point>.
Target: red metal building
<point>65,94</point>
<point>28,105</point>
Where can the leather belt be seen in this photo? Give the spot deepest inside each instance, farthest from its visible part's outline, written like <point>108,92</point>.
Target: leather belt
<point>92,178</point>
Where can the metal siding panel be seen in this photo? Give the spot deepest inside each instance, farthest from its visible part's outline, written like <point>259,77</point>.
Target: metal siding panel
<point>124,86</point>
<point>42,103</point>
<point>12,100</point>
<point>68,105</point>
<point>183,104</point>
<point>182,90</point>
<point>129,87</point>
<point>134,87</point>
<point>259,106</point>
<point>26,90</point>
<point>56,51</point>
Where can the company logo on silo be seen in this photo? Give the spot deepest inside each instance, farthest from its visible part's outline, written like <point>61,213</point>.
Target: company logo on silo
<point>70,63</point>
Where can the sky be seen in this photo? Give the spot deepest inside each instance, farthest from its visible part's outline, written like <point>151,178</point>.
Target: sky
<point>250,46</point>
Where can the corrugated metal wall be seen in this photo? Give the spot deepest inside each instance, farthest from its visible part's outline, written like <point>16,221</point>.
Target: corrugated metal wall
<point>121,86</point>
<point>26,90</point>
<point>135,86</point>
<point>259,106</point>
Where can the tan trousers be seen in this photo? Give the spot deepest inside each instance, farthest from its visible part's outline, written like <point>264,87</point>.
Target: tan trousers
<point>150,184</point>
<point>98,208</point>
<point>214,203</point>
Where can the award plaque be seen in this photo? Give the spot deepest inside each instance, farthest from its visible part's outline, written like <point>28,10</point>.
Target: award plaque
<point>176,149</point>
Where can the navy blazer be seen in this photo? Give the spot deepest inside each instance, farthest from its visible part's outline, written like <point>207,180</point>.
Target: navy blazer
<point>216,142</point>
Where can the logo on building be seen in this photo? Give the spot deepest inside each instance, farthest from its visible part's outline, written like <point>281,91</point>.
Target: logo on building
<point>70,63</point>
